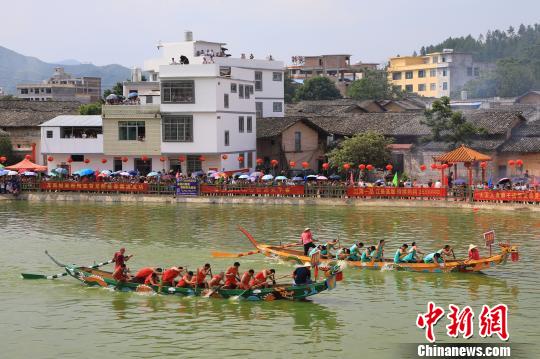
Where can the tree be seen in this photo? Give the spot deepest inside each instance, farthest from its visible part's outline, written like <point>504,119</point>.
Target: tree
<point>374,85</point>
<point>117,89</point>
<point>90,109</point>
<point>289,88</point>
<point>6,150</point>
<point>449,126</point>
<point>367,148</point>
<point>317,88</point>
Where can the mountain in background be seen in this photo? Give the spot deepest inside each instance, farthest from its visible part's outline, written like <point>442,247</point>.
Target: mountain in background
<point>68,62</point>
<point>16,68</point>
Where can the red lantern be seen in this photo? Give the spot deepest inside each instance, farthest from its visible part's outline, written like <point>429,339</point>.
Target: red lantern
<point>240,158</point>
<point>50,158</point>
<point>144,158</point>
<point>362,167</point>
<point>3,159</point>
<point>274,163</point>
<point>325,166</point>
<point>389,167</point>
<point>162,159</point>
<point>519,163</point>
<point>260,161</point>
<point>444,166</point>
<point>292,164</point>
<point>124,159</point>
<point>181,159</point>
<point>433,166</point>
<point>202,158</point>
<point>346,166</point>
<point>103,160</point>
<point>224,157</point>
<point>511,163</point>
<point>86,160</point>
<point>422,168</point>
<point>28,157</point>
<point>69,160</point>
<point>305,165</point>
<point>483,164</point>
<point>369,167</point>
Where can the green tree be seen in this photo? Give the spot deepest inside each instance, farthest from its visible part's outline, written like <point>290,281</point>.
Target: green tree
<point>6,150</point>
<point>373,85</point>
<point>289,88</point>
<point>449,126</point>
<point>317,88</point>
<point>367,148</point>
<point>90,109</point>
<point>117,89</point>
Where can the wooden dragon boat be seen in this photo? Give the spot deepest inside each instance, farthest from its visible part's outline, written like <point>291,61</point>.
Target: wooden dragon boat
<point>465,266</point>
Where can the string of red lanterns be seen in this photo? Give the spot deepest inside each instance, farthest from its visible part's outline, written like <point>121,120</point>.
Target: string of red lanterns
<point>362,167</point>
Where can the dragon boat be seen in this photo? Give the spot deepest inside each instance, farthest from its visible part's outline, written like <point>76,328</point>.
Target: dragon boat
<point>288,253</point>
<point>93,276</point>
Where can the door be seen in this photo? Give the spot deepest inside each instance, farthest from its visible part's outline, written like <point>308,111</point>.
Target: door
<point>143,167</point>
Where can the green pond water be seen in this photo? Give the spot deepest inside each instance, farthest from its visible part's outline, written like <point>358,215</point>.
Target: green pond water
<point>369,314</point>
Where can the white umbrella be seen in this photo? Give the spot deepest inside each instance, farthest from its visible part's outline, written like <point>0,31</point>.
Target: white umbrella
<point>12,173</point>
<point>267,177</point>
<point>29,173</point>
<point>321,178</point>
<point>125,174</point>
<point>243,177</point>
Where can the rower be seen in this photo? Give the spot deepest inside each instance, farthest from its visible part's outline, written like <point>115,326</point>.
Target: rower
<point>355,251</point>
<point>307,240</point>
<point>302,274</point>
<point>246,280</point>
<point>446,251</point>
<point>315,249</point>
<point>343,254</point>
<point>401,253</point>
<point>167,279</point>
<point>120,257</point>
<point>474,254</point>
<point>216,280</point>
<point>186,281</point>
<point>121,274</point>
<point>200,278</point>
<point>412,256</point>
<point>434,257</point>
<point>378,253</point>
<point>261,278</point>
<point>231,276</point>
<point>152,279</point>
<point>366,254</point>
<point>143,273</point>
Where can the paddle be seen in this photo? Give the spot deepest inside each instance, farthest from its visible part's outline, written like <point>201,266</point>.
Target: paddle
<point>217,254</point>
<point>54,260</point>
<point>59,275</point>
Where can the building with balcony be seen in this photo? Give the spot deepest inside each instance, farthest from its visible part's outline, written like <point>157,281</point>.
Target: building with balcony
<point>436,74</point>
<point>62,87</point>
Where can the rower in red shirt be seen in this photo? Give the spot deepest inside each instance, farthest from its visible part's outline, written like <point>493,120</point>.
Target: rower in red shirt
<point>121,274</point>
<point>152,279</point>
<point>231,276</point>
<point>143,273</point>
<point>169,275</point>
<point>261,278</point>
<point>246,279</point>
<point>216,280</point>
<point>120,258</point>
<point>186,281</point>
<point>201,276</point>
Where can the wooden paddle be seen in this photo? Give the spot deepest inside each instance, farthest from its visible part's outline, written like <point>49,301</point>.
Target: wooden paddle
<point>218,254</point>
<point>59,275</point>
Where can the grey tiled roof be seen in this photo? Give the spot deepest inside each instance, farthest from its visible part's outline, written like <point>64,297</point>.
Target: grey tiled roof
<point>522,145</point>
<point>20,113</point>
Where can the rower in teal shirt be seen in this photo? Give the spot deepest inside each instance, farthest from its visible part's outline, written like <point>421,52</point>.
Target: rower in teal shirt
<point>355,251</point>
<point>401,253</point>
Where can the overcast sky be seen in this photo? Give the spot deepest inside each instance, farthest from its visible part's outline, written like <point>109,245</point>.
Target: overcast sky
<point>126,31</point>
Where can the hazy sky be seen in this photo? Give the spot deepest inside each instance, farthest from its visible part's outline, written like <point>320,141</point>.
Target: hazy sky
<point>126,31</point>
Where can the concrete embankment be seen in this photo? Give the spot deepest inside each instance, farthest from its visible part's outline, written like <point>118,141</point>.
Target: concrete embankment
<point>293,201</point>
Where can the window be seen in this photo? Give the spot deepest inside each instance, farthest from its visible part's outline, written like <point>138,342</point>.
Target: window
<point>241,124</point>
<point>297,141</point>
<point>178,91</point>
<point>408,75</point>
<point>117,164</point>
<point>435,59</point>
<point>193,163</point>
<point>421,73</point>
<point>432,72</point>
<point>233,88</point>
<point>444,72</point>
<point>246,91</point>
<point>49,134</point>
<point>249,124</point>
<point>251,89</point>
<point>154,77</point>
<point>250,158</point>
<point>259,109</point>
<point>445,85</point>
<point>149,99</point>
<point>175,165</point>
<point>278,107</point>
<point>469,71</point>
<point>131,130</point>
<point>476,71</point>
<point>36,90</point>
<point>421,87</point>
<point>241,91</point>
<point>24,91</point>
<point>258,81</point>
<point>77,158</point>
<point>396,75</point>
<point>408,88</point>
<point>277,76</point>
<point>226,100</point>
<point>225,71</point>
<point>227,138</point>
<point>143,167</point>
<point>178,128</point>
<point>432,87</point>
<point>48,90</point>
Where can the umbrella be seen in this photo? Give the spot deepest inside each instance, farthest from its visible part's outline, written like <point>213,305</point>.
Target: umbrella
<point>197,174</point>
<point>460,181</point>
<point>3,172</point>
<point>84,172</point>
<point>52,174</point>
<point>133,173</point>
<point>106,173</point>
<point>280,178</point>
<point>335,177</point>
<point>257,174</point>
<point>124,174</point>
<point>298,179</point>
<point>29,173</point>
<point>243,177</point>
<point>166,177</point>
<point>321,178</point>
<point>238,174</point>
<point>60,170</point>
<point>267,177</point>
<point>211,172</point>
<point>152,174</point>
<point>12,173</point>
<point>519,180</point>
<point>111,97</point>
<point>133,95</point>
<point>311,177</point>
<point>504,180</point>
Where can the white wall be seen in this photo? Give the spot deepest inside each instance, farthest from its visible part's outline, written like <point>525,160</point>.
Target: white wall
<point>205,97</point>
<point>69,145</point>
<point>204,137</point>
<point>237,141</point>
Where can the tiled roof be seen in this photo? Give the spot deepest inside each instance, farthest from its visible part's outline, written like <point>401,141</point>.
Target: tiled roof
<point>3,133</point>
<point>20,113</point>
<point>522,145</point>
<point>463,154</point>
<point>273,126</point>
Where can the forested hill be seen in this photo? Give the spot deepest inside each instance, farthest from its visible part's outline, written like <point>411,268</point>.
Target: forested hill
<point>516,52</point>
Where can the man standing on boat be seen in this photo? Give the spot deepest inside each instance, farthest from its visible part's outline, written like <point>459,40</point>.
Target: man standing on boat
<point>307,240</point>
<point>120,258</point>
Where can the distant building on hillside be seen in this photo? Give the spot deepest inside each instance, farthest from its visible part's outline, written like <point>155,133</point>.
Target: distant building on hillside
<point>62,87</point>
<point>335,67</point>
<point>436,74</point>
<point>529,98</point>
<point>2,92</point>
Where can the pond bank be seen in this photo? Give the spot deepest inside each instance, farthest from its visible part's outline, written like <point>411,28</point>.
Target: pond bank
<point>294,201</point>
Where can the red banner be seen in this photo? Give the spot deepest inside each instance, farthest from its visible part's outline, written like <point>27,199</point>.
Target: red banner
<point>94,186</point>
<point>395,192</point>
<point>274,191</point>
<point>501,195</point>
